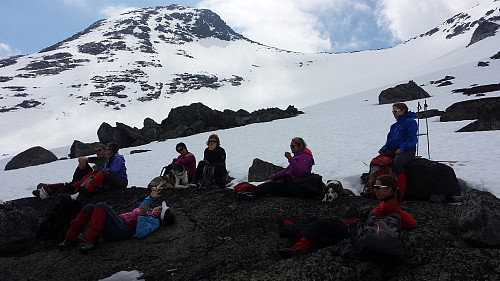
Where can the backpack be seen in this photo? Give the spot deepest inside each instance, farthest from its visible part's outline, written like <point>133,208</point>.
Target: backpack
<point>380,165</point>
<point>59,219</point>
<point>208,179</point>
<point>378,239</point>
<point>244,187</point>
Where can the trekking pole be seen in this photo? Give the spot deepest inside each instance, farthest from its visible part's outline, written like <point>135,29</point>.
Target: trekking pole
<point>427,128</point>
<point>418,124</point>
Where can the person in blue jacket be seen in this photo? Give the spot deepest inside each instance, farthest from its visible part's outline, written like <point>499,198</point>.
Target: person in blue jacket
<point>104,222</point>
<point>401,142</point>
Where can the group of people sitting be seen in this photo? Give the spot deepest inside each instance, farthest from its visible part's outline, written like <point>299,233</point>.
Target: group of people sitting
<point>295,180</point>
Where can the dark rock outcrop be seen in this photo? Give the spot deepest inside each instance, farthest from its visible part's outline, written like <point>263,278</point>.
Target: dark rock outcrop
<point>261,170</point>
<point>188,120</point>
<point>479,219</point>
<point>218,237</point>
<point>31,157</point>
<point>430,113</point>
<point>402,92</point>
<point>425,179</point>
<point>19,225</point>
<point>484,30</point>
<point>485,110</point>
<point>79,148</point>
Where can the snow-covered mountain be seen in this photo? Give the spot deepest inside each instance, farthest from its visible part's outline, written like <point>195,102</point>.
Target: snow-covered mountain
<point>143,63</point>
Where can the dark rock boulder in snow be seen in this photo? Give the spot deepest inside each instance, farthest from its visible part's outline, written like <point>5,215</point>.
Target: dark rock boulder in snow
<point>479,219</point>
<point>402,92</point>
<point>430,113</point>
<point>18,228</point>
<point>31,157</point>
<point>106,134</point>
<point>484,30</point>
<point>425,178</point>
<point>261,170</point>
<point>79,148</point>
<point>485,110</point>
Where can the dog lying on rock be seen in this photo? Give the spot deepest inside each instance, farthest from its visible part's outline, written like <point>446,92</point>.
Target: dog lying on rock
<point>334,189</point>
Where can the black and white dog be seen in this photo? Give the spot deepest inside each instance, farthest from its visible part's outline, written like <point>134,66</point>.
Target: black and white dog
<point>334,189</point>
<point>175,177</point>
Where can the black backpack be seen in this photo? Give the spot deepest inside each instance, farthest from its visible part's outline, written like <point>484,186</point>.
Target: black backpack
<point>378,239</point>
<point>59,219</point>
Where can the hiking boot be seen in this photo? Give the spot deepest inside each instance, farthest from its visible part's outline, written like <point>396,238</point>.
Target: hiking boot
<point>246,195</point>
<point>36,193</point>
<point>290,253</point>
<point>88,248</point>
<point>66,244</point>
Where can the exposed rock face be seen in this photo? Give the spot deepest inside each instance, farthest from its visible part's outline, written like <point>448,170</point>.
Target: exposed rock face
<point>430,113</point>
<point>79,148</point>
<point>31,157</point>
<point>18,228</point>
<point>188,120</point>
<point>484,30</point>
<point>425,178</point>
<point>261,170</point>
<point>218,237</point>
<point>479,219</point>
<point>485,110</point>
<point>402,92</point>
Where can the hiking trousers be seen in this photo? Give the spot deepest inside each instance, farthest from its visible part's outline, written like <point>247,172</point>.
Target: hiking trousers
<point>400,160</point>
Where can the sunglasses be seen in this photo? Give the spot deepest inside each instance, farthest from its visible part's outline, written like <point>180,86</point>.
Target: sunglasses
<point>396,110</point>
<point>292,146</point>
<point>377,187</point>
<point>98,150</point>
<point>212,141</point>
<point>180,149</point>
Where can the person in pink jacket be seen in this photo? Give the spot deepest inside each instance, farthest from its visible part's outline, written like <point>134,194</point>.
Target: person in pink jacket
<point>105,223</point>
<point>294,179</point>
<point>187,159</point>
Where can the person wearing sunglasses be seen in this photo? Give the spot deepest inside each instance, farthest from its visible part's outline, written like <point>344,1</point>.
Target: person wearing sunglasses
<point>321,233</point>
<point>213,165</point>
<point>401,142</point>
<point>290,181</point>
<point>84,167</point>
<point>187,159</point>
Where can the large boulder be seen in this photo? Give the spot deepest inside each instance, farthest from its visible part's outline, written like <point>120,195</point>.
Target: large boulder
<point>485,110</point>
<point>479,219</point>
<point>106,134</point>
<point>426,179</point>
<point>79,148</point>
<point>261,170</point>
<point>31,157</point>
<point>402,92</point>
<point>484,30</point>
<point>18,228</point>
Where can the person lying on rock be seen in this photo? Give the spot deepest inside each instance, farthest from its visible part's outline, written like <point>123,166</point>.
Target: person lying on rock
<point>295,180</point>
<point>401,142</point>
<point>321,233</point>
<point>105,223</point>
<point>211,171</point>
<point>113,175</point>
<point>187,159</point>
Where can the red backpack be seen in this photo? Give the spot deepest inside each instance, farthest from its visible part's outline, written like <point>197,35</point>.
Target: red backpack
<point>244,187</point>
<point>380,165</point>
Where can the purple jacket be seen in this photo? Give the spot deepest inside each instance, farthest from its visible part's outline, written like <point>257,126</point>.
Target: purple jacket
<point>300,164</point>
<point>189,163</point>
<point>116,165</point>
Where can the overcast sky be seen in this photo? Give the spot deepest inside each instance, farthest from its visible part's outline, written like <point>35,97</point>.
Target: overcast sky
<point>27,26</point>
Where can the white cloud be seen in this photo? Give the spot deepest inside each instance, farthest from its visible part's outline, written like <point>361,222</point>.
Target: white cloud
<point>7,51</point>
<point>110,11</point>
<point>287,24</point>
<point>408,18</point>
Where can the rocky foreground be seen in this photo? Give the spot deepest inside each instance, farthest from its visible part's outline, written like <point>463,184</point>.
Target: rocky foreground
<point>218,237</point>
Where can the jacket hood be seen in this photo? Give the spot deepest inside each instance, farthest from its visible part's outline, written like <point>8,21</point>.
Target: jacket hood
<point>410,114</point>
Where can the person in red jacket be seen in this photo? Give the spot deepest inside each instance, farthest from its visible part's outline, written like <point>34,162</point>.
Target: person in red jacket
<point>326,232</point>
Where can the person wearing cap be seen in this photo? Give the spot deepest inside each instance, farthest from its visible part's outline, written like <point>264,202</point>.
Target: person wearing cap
<point>105,223</point>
